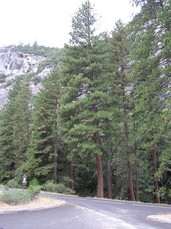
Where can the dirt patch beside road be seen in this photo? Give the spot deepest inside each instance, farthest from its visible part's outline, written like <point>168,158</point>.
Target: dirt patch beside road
<point>38,202</point>
<point>162,218</point>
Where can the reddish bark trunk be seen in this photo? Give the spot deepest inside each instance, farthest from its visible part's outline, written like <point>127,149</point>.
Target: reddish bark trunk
<point>156,183</point>
<point>109,186</point>
<point>71,176</point>
<point>100,176</point>
<point>129,172</point>
<point>137,184</point>
<point>99,168</point>
<point>130,183</point>
<point>55,164</point>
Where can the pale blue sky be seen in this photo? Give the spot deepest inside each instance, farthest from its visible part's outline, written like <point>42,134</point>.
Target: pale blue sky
<point>49,21</point>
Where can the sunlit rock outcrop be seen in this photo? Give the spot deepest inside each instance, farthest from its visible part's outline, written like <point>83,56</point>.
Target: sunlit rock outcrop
<point>17,63</point>
<point>12,64</point>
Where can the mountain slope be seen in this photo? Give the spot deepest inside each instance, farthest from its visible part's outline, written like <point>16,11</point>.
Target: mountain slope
<point>21,60</point>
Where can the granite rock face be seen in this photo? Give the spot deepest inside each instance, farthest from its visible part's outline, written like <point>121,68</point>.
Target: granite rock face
<point>17,63</point>
<point>12,64</point>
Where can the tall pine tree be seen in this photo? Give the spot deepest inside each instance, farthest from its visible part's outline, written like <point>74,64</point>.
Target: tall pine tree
<point>14,129</point>
<point>45,144</point>
<point>152,80</point>
<point>121,85</point>
<point>84,96</point>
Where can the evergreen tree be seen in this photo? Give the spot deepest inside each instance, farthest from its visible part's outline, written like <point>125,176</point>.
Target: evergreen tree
<point>151,85</point>
<point>14,129</point>
<point>121,85</point>
<point>84,96</point>
<point>45,144</point>
<point>21,122</point>
<point>7,150</point>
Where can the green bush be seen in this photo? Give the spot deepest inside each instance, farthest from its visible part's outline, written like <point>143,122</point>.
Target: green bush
<point>13,184</point>
<point>14,197</point>
<point>65,180</point>
<point>34,182</point>
<point>49,186</point>
<point>34,190</point>
<point>59,188</point>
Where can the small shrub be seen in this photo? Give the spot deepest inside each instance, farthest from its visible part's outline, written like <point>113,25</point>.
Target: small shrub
<point>34,182</point>
<point>59,188</point>
<point>14,197</point>
<point>13,184</point>
<point>49,186</point>
<point>34,190</point>
<point>65,180</point>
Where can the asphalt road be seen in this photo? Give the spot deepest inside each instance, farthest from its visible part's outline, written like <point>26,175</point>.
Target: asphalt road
<point>88,213</point>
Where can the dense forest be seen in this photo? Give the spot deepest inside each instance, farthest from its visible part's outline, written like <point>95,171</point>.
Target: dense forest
<point>101,123</point>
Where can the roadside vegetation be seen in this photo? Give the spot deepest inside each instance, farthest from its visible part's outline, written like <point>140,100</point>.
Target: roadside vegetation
<point>100,124</point>
<point>18,196</point>
<point>50,186</point>
<point>14,194</point>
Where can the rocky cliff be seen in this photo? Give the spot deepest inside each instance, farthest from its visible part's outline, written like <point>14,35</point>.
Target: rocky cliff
<point>14,63</point>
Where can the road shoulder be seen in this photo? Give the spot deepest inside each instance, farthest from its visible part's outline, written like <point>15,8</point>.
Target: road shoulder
<point>161,218</point>
<point>40,203</point>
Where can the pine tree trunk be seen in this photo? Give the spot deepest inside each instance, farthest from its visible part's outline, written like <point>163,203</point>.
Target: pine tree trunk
<point>55,163</point>
<point>130,183</point>
<point>99,168</point>
<point>71,176</point>
<point>137,184</point>
<point>109,186</point>
<point>100,176</point>
<point>156,183</point>
<point>129,172</point>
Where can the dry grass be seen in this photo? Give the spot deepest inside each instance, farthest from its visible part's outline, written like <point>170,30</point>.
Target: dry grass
<point>161,218</point>
<point>168,216</point>
<point>37,202</point>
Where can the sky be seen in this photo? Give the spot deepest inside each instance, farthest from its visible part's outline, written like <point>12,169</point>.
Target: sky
<point>48,22</point>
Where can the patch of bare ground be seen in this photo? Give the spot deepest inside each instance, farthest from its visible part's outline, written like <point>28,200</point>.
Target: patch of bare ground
<point>38,202</point>
<point>164,218</point>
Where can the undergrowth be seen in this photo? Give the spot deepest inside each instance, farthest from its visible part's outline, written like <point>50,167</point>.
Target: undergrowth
<point>16,197</point>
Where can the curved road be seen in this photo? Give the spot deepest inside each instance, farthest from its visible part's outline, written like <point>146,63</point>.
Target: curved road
<point>88,213</point>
